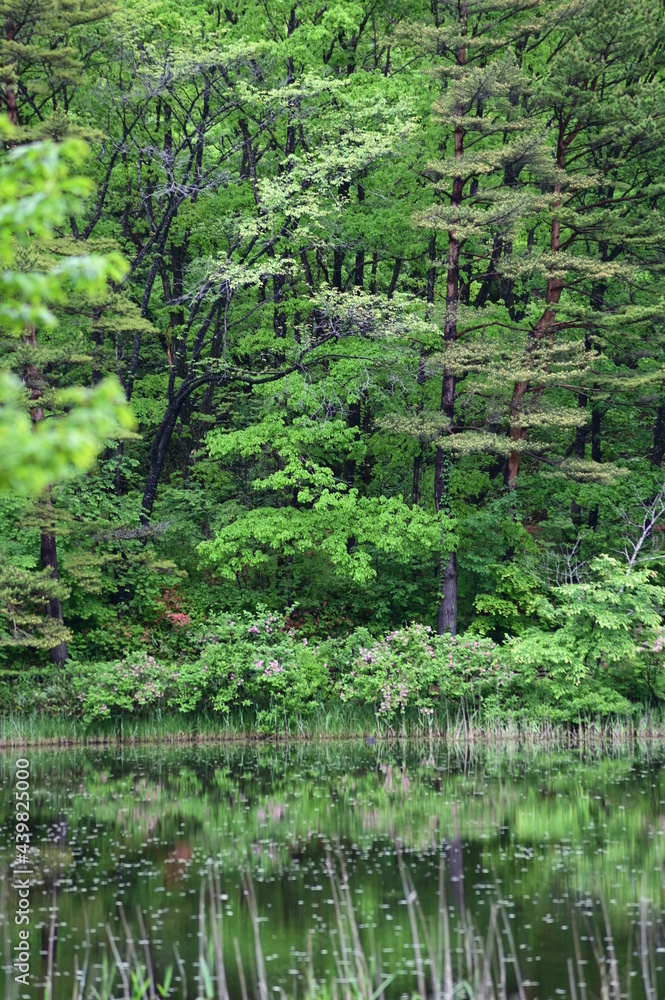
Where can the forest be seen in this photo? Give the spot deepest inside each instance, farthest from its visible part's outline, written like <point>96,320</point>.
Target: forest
<point>332,366</point>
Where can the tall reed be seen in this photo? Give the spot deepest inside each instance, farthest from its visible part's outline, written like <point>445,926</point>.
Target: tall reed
<point>448,963</point>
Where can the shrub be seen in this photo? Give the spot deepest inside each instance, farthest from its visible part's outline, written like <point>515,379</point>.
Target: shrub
<point>414,667</point>
<point>108,689</point>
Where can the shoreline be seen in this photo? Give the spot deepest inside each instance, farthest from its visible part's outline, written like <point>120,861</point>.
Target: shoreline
<point>49,735</point>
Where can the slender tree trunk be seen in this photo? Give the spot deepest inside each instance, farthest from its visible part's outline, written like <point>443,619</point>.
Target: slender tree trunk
<point>352,420</point>
<point>372,280</point>
<point>158,453</point>
<point>447,617</point>
<point>659,437</point>
<point>49,558</point>
<point>368,461</point>
<point>417,477</point>
<point>359,277</point>
<point>279,315</point>
<point>338,258</point>
<point>395,277</point>
<point>596,418</point>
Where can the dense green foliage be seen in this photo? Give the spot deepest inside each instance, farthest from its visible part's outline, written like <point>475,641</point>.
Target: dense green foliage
<point>383,284</point>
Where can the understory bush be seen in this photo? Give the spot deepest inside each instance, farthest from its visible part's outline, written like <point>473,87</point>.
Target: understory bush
<point>252,662</point>
<point>262,669</point>
<point>416,668</point>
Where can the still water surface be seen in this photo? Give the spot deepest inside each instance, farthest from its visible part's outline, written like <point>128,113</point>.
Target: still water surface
<point>547,835</point>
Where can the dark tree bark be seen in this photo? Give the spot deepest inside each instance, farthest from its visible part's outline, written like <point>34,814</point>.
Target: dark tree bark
<point>49,558</point>
<point>395,277</point>
<point>659,437</point>
<point>417,477</point>
<point>447,616</point>
<point>158,453</point>
<point>338,258</point>
<point>372,280</point>
<point>359,277</point>
<point>368,461</point>
<point>279,315</point>
<point>596,418</point>
<point>360,269</point>
<point>352,420</point>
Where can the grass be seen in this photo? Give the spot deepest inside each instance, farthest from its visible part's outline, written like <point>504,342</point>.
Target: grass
<point>334,721</point>
<point>448,964</point>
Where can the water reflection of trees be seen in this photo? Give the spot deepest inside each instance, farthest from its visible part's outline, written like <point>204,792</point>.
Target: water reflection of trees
<point>142,826</point>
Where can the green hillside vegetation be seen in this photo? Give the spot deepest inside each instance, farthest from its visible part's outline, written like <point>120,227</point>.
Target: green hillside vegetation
<point>332,369</point>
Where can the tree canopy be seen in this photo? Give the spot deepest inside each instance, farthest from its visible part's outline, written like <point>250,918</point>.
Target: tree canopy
<point>382,284</point>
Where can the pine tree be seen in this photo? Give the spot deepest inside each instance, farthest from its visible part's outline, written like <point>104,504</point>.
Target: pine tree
<point>38,192</point>
<point>494,152</point>
<point>39,64</point>
<point>604,94</point>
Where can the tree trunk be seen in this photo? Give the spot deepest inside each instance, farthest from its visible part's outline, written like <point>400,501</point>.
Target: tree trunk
<point>360,269</point>
<point>417,477</point>
<point>372,280</point>
<point>659,437</point>
<point>158,452</point>
<point>447,617</point>
<point>49,557</point>
<point>338,258</point>
<point>367,462</point>
<point>352,420</point>
<point>595,434</point>
<point>595,456</point>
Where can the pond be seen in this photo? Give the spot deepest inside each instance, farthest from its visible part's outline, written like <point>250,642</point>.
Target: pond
<point>553,838</point>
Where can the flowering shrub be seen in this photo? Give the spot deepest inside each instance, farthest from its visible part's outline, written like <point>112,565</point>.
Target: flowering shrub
<point>257,663</point>
<point>414,667</point>
<point>655,644</point>
<point>173,613</point>
<point>264,670</point>
<point>264,664</point>
<point>104,690</point>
